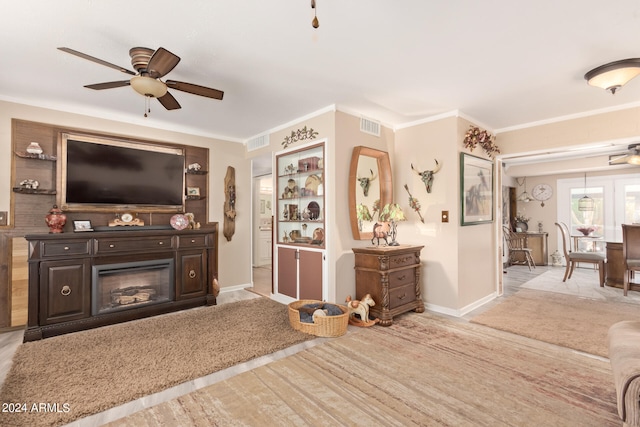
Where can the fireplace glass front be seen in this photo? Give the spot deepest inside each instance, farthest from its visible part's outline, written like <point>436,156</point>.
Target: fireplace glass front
<point>125,286</point>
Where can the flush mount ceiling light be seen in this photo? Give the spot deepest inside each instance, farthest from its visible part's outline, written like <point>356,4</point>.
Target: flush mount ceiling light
<point>614,75</point>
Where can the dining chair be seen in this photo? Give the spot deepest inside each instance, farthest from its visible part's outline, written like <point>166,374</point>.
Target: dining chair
<point>573,258</point>
<point>630,252</point>
<point>516,245</point>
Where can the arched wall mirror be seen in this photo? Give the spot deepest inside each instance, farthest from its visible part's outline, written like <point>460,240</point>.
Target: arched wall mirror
<point>369,184</point>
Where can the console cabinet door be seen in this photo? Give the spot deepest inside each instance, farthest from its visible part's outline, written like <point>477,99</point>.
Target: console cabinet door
<point>191,274</point>
<point>310,275</point>
<point>65,287</point>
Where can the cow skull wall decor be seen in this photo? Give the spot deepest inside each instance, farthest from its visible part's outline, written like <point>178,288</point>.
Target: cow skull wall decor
<point>427,176</point>
<point>365,182</point>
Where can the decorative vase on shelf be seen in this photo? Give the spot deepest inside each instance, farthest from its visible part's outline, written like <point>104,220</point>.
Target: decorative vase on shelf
<point>55,219</point>
<point>34,148</point>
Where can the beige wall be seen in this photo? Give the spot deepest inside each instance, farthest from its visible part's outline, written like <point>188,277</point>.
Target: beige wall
<point>458,262</point>
<point>222,154</point>
<point>578,131</point>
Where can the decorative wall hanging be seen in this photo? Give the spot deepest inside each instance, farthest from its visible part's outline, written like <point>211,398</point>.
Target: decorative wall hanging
<point>299,135</point>
<point>427,176</point>
<point>414,203</point>
<point>229,227</point>
<point>475,136</point>
<point>476,189</point>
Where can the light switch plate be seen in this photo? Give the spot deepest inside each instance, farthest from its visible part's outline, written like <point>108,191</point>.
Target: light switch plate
<point>3,218</point>
<point>445,216</point>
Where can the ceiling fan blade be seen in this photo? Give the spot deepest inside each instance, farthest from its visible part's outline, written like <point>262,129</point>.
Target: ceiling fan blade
<point>109,85</point>
<point>99,61</point>
<point>162,61</point>
<point>195,89</point>
<point>169,102</point>
<point>619,160</point>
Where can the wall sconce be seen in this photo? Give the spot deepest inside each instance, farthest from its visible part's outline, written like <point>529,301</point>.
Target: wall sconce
<point>614,75</point>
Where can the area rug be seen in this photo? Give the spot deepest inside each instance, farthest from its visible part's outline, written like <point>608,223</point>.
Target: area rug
<point>584,282</point>
<point>424,370</point>
<point>566,320</point>
<point>88,372</point>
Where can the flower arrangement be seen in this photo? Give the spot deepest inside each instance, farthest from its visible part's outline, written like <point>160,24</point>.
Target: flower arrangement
<point>586,230</point>
<point>521,218</point>
<point>475,136</point>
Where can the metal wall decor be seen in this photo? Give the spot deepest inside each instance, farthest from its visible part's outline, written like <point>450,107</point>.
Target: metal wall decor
<point>299,135</point>
<point>427,175</point>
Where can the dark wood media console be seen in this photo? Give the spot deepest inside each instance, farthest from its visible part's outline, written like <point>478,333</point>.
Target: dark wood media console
<point>64,269</point>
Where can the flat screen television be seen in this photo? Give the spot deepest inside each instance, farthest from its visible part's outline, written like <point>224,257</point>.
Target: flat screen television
<point>101,174</point>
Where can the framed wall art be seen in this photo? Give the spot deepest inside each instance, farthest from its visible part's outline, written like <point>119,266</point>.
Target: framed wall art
<point>476,190</point>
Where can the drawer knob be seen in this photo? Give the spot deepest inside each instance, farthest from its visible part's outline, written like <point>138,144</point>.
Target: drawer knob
<point>193,240</point>
<point>112,245</point>
<point>161,243</point>
<point>192,274</point>
<point>66,290</point>
<point>402,277</point>
<point>66,248</point>
<point>403,296</point>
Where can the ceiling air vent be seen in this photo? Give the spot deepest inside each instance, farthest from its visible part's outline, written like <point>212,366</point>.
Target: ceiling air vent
<point>258,142</point>
<point>369,126</point>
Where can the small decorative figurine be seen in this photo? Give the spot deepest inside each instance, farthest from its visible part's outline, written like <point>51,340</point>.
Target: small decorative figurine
<point>34,148</point>
<point>361,308</point>
<point>55,219</point>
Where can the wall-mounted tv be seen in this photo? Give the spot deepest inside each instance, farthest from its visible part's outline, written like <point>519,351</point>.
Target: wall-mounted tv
<point>102,174</point>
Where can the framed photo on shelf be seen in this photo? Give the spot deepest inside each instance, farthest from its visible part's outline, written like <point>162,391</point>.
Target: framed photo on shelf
<point>193,191</point>
<point>82,226</point>
<point>476,190</point>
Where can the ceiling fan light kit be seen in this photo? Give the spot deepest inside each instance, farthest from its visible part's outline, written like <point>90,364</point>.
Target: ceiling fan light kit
<point>148,86</point>
<point>631,158</point>
<point>614,75</point>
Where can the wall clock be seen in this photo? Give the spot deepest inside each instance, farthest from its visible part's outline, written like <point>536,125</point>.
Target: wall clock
<point>542,192</point>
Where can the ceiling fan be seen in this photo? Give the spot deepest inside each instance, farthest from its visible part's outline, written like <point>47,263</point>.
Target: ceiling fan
<point>632,157</point>
<point>150,66</point>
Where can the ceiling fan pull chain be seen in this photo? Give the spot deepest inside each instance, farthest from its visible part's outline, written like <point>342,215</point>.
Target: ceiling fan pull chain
<point>147,107</point>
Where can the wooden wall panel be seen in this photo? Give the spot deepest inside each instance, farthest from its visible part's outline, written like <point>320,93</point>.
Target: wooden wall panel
<point>27,211</point>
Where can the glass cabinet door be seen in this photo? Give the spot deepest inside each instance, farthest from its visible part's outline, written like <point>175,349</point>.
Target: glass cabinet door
<point>300,196</point>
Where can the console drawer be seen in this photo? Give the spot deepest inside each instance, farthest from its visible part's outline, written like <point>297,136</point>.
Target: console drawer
<point>402,277</point>
<point>72,247</point>
<point>134,244</point>
<point>397,261</point>
<point>191,241</point>
<point>402,295</point>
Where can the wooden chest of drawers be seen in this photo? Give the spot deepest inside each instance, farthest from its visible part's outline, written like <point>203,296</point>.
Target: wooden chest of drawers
<point>391,274</point>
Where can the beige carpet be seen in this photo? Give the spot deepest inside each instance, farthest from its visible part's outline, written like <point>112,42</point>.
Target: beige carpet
<point>94,370</point>
<point>565,320</point>
<point>424,370</point>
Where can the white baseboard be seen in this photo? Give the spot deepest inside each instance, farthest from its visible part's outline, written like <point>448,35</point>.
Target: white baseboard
<point>464,310</point>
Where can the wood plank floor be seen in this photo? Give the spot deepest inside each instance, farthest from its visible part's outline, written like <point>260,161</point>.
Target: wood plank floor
<point>10,340</point>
